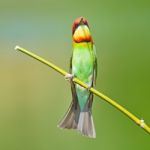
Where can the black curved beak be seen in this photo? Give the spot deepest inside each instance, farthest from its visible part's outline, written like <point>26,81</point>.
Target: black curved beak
<point>81,22</point>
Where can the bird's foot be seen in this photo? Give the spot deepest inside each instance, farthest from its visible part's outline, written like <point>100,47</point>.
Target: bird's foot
<point>69,77</point>
<point>142,123</point>
<point>89,87</point>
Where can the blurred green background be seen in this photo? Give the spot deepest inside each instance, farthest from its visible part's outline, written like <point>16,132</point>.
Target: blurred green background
<point>33,97</point>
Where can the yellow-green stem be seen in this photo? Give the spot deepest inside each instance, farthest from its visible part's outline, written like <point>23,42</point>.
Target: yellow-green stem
<point>138,121</point>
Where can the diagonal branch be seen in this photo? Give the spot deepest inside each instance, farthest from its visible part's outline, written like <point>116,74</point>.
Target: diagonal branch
<point>138,121</point>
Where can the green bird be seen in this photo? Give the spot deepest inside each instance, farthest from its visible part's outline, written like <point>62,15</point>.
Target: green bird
<point>83,65</point>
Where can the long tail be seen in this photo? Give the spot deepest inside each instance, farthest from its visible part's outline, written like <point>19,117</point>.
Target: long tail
<point>86,124</point>
<point>70,120</point>
<point>82,121</point>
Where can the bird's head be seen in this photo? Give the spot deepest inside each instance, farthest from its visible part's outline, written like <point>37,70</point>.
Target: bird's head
<point>80,31</point>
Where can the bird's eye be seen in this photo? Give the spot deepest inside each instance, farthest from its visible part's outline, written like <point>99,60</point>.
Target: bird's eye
<point>86,23</point>
<point>74,27</point>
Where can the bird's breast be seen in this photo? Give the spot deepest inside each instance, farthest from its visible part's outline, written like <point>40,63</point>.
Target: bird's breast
<point>82,65</point>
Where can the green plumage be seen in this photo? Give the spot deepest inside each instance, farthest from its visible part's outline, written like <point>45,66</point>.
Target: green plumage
<point>83,66</point>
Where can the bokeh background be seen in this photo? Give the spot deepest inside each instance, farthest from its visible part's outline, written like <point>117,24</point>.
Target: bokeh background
<point>33,97</point>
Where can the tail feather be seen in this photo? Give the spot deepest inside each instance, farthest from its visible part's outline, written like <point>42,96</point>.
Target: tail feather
<point>80,120</point>
<point>86,124</point>
<point>70,120</point>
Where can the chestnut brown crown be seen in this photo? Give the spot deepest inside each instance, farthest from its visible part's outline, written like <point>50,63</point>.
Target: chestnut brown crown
<point>79,21</point>
<point>80,31</point>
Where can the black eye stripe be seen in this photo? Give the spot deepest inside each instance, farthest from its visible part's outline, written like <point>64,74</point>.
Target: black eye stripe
<point>85,22</point>
<point>76,26</point>
<point>77,23</point>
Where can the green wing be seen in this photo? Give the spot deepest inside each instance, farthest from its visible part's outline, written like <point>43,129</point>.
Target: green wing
<point>70,65</point>
<point>95,65</point>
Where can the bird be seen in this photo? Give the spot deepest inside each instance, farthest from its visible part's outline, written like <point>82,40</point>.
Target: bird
<point>83,65</point>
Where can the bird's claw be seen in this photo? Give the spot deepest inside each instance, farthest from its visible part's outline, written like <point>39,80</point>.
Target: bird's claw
<point>69,77</point>
<point>89,87</point>
<point>142,123</point>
